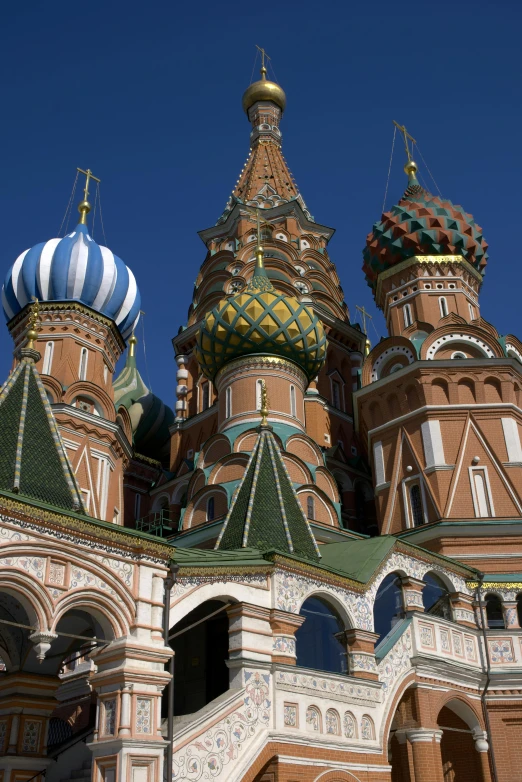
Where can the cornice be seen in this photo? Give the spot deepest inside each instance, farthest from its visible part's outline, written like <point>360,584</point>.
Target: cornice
<point>425,259</point>
<point>81,529</point>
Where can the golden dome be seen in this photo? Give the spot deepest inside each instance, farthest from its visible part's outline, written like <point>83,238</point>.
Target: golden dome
<point>264,90</point>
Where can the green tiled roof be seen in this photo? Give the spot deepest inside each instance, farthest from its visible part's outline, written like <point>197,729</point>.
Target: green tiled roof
<point>33,461</point>
<point>265,511</point>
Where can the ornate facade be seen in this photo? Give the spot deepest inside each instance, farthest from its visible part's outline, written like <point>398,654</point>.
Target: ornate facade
<point>309,570</point>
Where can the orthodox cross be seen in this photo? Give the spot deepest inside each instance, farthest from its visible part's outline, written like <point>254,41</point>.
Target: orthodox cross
<point>407,136</point>
<point>263,55</point>
<point>89,175</point>
<point>364,315</point>
<point>84,208</point>
<point>259,220</point>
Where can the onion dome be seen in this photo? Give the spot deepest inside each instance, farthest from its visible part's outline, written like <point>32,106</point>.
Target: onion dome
<point>150,417</point>
<point>260,321</point>
<point>74,268</point>
<point>422,224</point>
<point>264,90</point>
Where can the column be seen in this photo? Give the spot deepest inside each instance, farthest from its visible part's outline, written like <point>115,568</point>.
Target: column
<point>462,608</point>
<point>284,626</point>
<point>427,762</point>
<point>129,679</point>
<point>482,747</point>
<point>412,594</point>
<point>360,646</point>
<point>511,615</point>
<point>27,701</point>
<point>250,640</point>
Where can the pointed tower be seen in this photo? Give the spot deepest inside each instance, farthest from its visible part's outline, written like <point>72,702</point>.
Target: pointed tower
<point>89,304</point>
<point>440,403</point>
<point>268,307</point>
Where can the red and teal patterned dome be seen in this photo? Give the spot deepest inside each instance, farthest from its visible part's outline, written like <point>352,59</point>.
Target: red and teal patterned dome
<point>422,224</point>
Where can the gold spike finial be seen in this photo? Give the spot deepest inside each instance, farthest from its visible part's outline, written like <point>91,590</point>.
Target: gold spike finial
<point>84,206</point>
<point>33,322</point>
<point>264,404</point>
<point>132,345</point>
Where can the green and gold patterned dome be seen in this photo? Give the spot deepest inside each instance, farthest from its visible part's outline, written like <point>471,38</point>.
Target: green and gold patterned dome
<point>260,321</point>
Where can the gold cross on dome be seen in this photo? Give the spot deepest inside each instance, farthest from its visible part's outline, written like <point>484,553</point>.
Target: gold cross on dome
<point>88,176</point>
<point>364,315</point>
<point>263,55</point>
<point>407,136</point>
<point>84,207</point>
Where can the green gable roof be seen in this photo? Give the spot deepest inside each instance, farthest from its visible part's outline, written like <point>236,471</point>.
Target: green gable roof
<point>265,511</point>
<point>33,461</point>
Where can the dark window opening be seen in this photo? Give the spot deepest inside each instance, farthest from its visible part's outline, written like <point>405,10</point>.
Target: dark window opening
<point>200,671</point>
<point>435,597</point>
<point>206,396</point>
<point>310,508</point>
<point>388,608</point>
<point>317,644</point>
<point>494,613</point>
<point>417,512</point>
<point>336,394</point>
<point>210,509</point>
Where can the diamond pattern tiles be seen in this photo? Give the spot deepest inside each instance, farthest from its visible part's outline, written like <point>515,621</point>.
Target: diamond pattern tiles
<point>422,224</point>
<point>263,323</point>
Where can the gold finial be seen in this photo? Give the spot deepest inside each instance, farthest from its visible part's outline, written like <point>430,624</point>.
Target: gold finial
<point>264,404</point>
<point>411,167</point>
<point>84,206</point>
<point>33,322</point>
<point>367,346</point>
<point>132,345</point>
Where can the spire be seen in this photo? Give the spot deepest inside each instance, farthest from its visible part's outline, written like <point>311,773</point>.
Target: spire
<point>34,463</point>
<point>265,511</point>
<point>410,166</point>
<point>265,180</point>
<point>84,206</point>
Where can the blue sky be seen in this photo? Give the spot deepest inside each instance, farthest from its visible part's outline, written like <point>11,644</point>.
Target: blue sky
<point>148,95</point>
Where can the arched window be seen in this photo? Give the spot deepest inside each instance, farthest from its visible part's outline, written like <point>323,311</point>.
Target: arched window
<point>333,722</point>
<point>481,497</point>
<point>84,355</point>
<point>519,609</point>
<point>228,402</point>
<point>310,507</point>
<point>494,613</point>
<point>416,509</point>
<point>313,719</point>
<point>406,312</point>
<point>292,401</point>
<point>349,725</point>
<point>458,354</point>
<point>48,358</point>
<point>435,597</point>
<point>336,394</point>
<point>471,311</point>
<point>210,509</point>
<point>205,396</point>
<point>137,505</point>
<point>443,304</point>
<point>388,607</point>
<point>259,394</point>
<point>317,644</point>
<point>367,730</point>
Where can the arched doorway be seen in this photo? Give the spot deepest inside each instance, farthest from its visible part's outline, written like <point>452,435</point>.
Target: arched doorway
<point>317,643</point>
<point>458,746</point>
<point>200,643</point>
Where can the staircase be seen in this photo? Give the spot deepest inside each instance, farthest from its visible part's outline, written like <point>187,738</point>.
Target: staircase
<point>82,774</point>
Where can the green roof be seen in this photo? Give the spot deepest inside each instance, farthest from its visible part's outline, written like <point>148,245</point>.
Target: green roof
<point>265,511</point>
<point>33,461</point>
<point>357,559</point>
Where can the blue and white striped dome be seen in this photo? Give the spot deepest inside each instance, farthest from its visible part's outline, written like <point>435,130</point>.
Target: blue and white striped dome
<point>74,268</point>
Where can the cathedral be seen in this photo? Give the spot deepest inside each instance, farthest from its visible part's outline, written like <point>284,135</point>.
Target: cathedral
<point>304,569</point>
